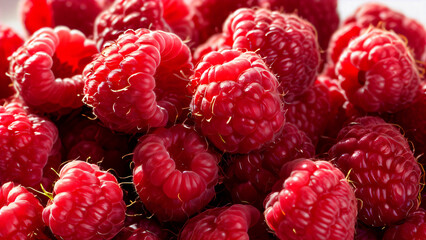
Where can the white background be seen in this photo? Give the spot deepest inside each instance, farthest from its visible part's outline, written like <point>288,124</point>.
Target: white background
<point>412,8</point>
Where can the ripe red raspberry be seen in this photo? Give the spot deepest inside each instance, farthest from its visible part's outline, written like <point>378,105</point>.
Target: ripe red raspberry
<point>236,102</point>
<point>232,222</point>
<point>413,227</point>
<point>140,81</point>
<point>377,14</point>
<point>378,72</point>
<point>287,43</point>
<point>75,14</point>
<point>215,43</point>
<point>174,172</point>
<point>145,229</point>
<point>46,70</point>
<point>382,168</point>
<point>27,143</point>
<point>310,111</point>
<point>322,14</point>
<point>128,14</point>
<point>20,213</point>
<point>315,201</point>
<point>87,203</point>
<point>9,42</point>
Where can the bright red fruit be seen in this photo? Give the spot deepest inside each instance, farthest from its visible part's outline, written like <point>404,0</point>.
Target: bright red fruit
<point>175,173</point>
<point>412,228</point>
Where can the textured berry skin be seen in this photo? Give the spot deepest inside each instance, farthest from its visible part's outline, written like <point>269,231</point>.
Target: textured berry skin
<point>174,172</point>
<point>287,43</point>
<point>20,213</point>
<point>128,14</point>
<point>87,203</point>
<point>235,101</point>
<point>9,42</point>
<point>315,201</point>
<point>378,73</point>
<point>310,111</point>
<point>231,223</point>
<point>216,42</point>
<point>382,168</point>
<point>413,227</point>
<point>27,143</point>
<point>139,81</point>
<point>322,14</point>
<point>377,14</point>
<point>145,229</point>
<point>46,70</point>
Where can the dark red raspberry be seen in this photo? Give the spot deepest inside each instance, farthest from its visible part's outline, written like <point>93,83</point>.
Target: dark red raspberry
<point>378,72</point>
<point>287,43</point>
<point>315,201</point>
<point>231,222</point>
<point>310,111</point>
<point>236,102</point>
<point>128,14</point>
<point>74,14</point>
<point>379,15</point>
<point>27,143</point>
<point>413,227</point>
<point>20,213</point>
<point>174,172</point>
<point>145,229</point>
<point>9,42</point>
<point>140,81</point>
<point>382,168</point>
<point>46,70</point>
<point>322,14</point>
<point>87,203</point>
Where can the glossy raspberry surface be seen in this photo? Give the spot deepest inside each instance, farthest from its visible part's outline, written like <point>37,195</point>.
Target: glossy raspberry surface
<point>315,201</point>
<point>381,166</point>
<point>87,203</point>
<point>235,101</point>
<point>174,172</point>
<point>139,82</point>
<point>413,227</point>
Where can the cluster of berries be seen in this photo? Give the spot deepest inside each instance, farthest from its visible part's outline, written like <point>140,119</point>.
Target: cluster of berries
<point>212,119</point>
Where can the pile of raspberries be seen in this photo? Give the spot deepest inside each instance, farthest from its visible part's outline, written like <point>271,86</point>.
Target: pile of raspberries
<point>211,120</point>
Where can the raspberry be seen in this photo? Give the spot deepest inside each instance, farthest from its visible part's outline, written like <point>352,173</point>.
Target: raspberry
<point>9,42</point>
<point>314,202</point>
<point>174,172</point>
<point>46,70</point>
<point>215,43</point>
<point>413,227</point>
<point>74,14</point>
<point>128,14</point>
<point>143,230</point>
<point>139,81</point>
<point>310,111</point>
<point>287,43</point>
<point>236,102</point>
<point>27,143</point>
<point>87,203</point>
<point>382,168</point>
<point>232,222</point>
<point>20,213</point>
<point>378,72</point>
<point>377,14</point>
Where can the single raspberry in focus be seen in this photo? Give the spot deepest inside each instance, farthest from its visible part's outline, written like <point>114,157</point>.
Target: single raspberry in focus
<point>231,222</point>
<point>28,143</point>
<point>287,43</point>
<point>20,213</point>
<point>235,101</point>
<point>413,227</point>
<point>87,203</point>
<point>379,15</point>
<point>9,42</point>
<point>175,173</point>
<point>378,73</point>
<point>74,14</point>
<point>139,82</point>
<point>46,70</point>
<point>315,201</point>
<point>382,168</point>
